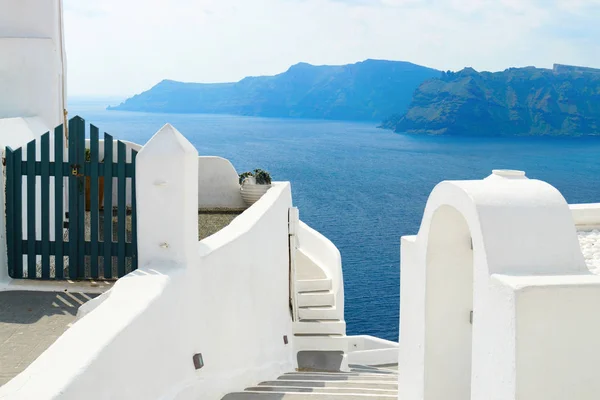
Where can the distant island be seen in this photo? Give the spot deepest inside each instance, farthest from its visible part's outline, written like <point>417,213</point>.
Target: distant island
<point>564,100</point>
<point>371,90</point>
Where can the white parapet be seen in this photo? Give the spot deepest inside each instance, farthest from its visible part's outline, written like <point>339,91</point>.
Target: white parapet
<point>167,197</point>
<point>586,216</point>
<point>494,289</point>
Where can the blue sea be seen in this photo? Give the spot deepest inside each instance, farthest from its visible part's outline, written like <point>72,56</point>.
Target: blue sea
<point>364,187</point>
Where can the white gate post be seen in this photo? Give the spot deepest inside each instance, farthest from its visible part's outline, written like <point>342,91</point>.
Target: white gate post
<point>167,199</point>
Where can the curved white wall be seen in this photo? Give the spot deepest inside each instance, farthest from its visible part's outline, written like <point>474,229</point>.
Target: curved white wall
<point>232,306</point>
<point>218,184</point>
<point>322,251</point>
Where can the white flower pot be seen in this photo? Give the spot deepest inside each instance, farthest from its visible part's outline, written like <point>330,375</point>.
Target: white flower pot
<point>251,191</point>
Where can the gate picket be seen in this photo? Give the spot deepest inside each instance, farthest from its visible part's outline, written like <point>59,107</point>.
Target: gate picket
<point>133,214</point>
<point>108,184</point>
<point>73,199</point>
<point>18,213</point>
<point>94,206</point>
<point>31,228</point>
<point>59,212</point>
<point>80,238</point>
<point>45,204</point>
<point>121,212</point>
<point>10,212</point>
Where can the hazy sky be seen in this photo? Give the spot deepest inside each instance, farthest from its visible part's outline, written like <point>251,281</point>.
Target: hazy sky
<point>123,47</point>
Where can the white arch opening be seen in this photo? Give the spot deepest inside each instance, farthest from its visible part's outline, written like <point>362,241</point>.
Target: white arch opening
<point>449,303</point>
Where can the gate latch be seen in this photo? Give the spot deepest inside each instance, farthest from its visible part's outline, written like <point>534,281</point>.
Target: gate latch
<point>75,169</point>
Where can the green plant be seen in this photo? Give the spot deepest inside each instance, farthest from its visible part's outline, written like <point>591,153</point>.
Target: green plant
<point>262,176</point>
<point>88,155</point>
<point>244,175</point>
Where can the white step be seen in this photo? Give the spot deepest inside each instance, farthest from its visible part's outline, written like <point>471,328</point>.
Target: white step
<point>319,327</point>
<point>377,383</point>
<point>312,285</point>
<point>305,396</point>
<point>338,377</point>
<point>324,384</point>
<point>311,299</point>
<point>321,343</point>
<point>330,390</point>
<point>327,312</point>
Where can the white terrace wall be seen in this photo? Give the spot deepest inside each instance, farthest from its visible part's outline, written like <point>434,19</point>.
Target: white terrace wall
<point>226,297</point>
<point>586,216</point>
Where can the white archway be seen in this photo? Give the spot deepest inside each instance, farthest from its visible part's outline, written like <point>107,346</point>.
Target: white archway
<point>449,303</point>
<point>503,246</point>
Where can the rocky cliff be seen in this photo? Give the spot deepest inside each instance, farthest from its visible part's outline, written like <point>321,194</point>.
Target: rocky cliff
<point>517,101</point>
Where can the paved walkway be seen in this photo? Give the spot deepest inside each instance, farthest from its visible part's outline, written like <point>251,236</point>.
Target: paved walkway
<point>30,322</point>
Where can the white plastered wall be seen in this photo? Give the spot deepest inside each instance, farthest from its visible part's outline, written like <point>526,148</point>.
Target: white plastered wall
<point>32,78</point>
<point>32,64</point>
<point>522,229</point>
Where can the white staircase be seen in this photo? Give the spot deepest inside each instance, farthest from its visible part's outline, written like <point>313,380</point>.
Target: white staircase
<point>317,294</point>
<point>316,308</point>
<point>318,327</point>
<point>361,382</point>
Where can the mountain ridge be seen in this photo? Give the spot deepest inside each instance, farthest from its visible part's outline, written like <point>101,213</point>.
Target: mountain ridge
<point>526,101</point>
<point>369,90</point>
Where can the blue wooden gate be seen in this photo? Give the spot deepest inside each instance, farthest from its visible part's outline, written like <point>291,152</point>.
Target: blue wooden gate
<point>93,235</point>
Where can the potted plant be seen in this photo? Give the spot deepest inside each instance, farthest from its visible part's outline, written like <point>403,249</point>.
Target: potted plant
<point>88,186</point>
<point>254,184</point>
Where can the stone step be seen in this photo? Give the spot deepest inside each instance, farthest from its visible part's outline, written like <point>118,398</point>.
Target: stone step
<point>337,376</point>
<point>305,396</point>
<point>312,285</point>
<point>372,370</point>
<point>324,384</point>
<point>324,312</point>
<point>328,390</point>
<point>319,327</point>
<point>312,299</point>
<point>321,343</point>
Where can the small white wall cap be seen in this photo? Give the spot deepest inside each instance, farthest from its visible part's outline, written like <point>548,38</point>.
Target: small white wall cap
<point>168,140</point>
<point>508,174</point>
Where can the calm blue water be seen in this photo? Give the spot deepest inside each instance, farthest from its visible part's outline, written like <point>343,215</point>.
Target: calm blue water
<point>364,187</point>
